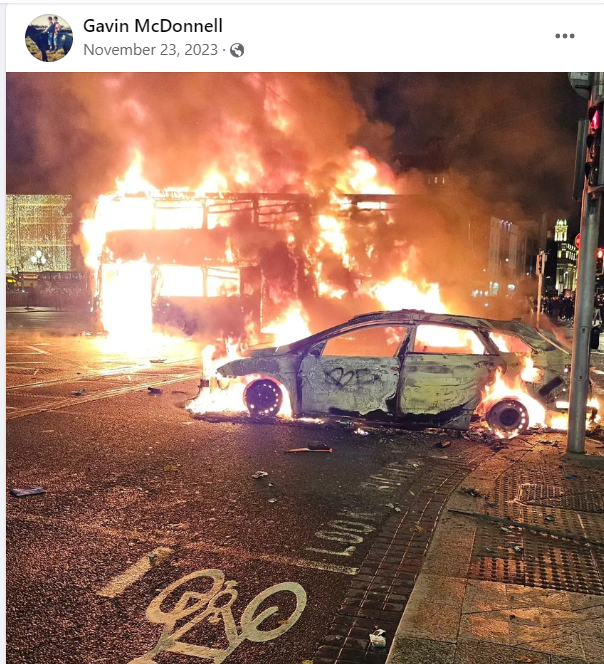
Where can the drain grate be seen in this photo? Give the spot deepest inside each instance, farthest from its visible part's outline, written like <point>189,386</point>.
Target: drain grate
<point>541,561</point>
<point>544,495</point>
<point>586,500</point>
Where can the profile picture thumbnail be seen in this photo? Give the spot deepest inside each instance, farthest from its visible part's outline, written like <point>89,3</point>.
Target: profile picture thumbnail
<point>49,38</point>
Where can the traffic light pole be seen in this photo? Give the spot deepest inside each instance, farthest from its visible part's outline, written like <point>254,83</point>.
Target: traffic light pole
<point>584,300</point>
<point>584,311</point>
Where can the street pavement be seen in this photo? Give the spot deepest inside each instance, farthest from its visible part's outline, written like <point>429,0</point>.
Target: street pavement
<point>140,496</point>
<point>153,540</point>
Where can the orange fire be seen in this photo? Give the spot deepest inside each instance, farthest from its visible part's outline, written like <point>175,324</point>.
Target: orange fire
<point>225,395</point>
<point>505,388</point>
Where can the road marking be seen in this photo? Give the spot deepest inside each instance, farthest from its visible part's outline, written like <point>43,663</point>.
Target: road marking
<point>19,363</point>
<point>24,353</point>
<point>106,394</point>
<point>38,350</point>
<point>118,584</point>
<point>205,547</point>
<point>215,606</point>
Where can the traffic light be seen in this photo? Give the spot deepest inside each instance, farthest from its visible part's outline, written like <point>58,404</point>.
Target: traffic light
<point>599,262</point>
<point>594,164</point>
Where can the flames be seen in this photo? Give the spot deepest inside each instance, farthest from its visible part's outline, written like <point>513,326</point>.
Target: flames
<point>504,387</point>
<point>343,268</point>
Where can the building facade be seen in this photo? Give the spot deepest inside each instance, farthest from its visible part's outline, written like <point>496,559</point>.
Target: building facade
<point>565,256</point>
<point>38,234</point>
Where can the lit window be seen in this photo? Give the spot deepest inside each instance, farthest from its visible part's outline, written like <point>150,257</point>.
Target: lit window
<point>370,342</point>
<point>441,340</point>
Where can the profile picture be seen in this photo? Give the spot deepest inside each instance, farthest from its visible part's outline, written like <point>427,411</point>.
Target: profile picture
<point>49,37</point>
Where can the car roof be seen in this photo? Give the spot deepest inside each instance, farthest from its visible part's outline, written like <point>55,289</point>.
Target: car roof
<point>527,333</point>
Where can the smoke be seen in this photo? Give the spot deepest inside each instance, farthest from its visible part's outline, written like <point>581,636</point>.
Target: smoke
<point>76,132</point>
<point>513,135</point>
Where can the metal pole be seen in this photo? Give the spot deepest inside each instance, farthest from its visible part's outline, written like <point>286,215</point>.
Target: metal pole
<point>540,260</point>
<point>584,308</point>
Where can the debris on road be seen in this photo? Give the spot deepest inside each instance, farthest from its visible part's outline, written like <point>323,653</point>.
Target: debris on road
<point>361,432</point>
<point>443,443</point>
<point>316,447</point>
<point>79,393</point>
<point>155,390</point>
<point>517,548</point>
<point>471,491</point>
<point>158,360</point>
<point>416,528</point>
<point>27,491</point>
<point>171,468</point>
<point>259,473</point>
<point>272,500</point>
<point>571,476</point>
<point>308,449</point>
<point>377,638</point>
<point>392,506</point>
<point>550,517</point>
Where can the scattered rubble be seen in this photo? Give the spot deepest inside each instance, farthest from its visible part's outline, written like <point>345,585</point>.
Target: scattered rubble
<point>309,449</point>
<point>317,447</point>
<point>27,491</point>
<point>377,638</point>
<point>259,473</point>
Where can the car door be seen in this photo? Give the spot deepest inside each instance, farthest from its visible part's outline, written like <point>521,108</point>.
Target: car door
<point>444,372</point>
<point>354,372</point>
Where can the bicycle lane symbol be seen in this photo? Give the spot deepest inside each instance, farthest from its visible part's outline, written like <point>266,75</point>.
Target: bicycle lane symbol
<point>215,606</point>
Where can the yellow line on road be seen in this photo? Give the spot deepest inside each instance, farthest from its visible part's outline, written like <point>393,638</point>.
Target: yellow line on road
<point>118,584</point>
<point>205,547</point>
<point>105,394</point>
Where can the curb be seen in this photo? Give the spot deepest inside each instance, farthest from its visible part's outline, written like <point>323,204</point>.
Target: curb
<point>451,619</point>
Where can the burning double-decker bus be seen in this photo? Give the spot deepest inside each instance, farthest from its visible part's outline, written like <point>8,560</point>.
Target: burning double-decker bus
<point>197,262</point>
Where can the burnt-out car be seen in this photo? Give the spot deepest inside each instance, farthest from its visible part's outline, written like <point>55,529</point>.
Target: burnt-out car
<point>409,367</point>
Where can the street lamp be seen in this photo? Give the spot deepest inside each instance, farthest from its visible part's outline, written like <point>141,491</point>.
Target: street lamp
<point>38,259</point>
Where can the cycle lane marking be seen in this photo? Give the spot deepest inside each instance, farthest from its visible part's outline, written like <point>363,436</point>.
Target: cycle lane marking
<point>135,572</point>
<point>196,546</point>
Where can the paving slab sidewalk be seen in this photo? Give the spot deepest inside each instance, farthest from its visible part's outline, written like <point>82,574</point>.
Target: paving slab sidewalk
<point>491,593</point>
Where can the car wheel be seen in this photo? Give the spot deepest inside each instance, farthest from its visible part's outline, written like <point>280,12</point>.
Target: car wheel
<point>508,418</point>
<point>263,398</point>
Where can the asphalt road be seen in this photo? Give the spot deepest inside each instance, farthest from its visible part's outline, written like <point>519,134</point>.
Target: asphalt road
<point>139,495</point>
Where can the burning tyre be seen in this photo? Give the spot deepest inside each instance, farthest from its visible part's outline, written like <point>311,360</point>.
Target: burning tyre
<point>508,418</point>
<point>263,398</point>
